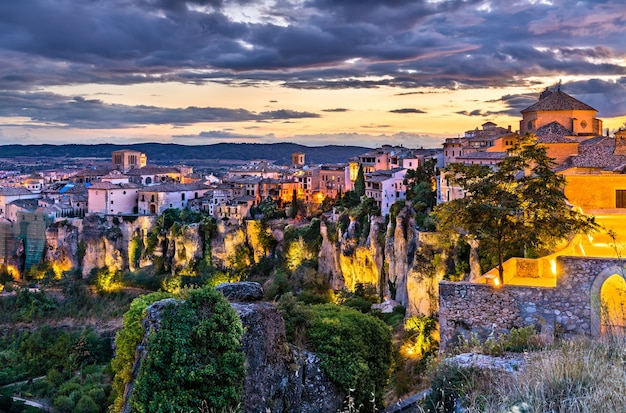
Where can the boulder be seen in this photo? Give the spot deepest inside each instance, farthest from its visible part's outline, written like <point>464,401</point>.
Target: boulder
<point>241,291</point>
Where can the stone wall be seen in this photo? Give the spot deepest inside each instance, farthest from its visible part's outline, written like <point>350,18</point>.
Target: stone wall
<point>572,307</point>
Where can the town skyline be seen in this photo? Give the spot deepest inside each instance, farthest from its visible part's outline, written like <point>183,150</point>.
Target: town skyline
<point>315,73</point>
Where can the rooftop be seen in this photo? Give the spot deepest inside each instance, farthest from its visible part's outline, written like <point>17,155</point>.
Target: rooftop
<point>558,100</point>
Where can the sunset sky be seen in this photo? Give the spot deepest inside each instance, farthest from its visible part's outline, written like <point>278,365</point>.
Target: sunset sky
<point>316,72</point>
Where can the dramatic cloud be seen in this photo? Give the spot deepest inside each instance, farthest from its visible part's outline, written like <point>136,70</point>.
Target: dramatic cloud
<point>53,50</point>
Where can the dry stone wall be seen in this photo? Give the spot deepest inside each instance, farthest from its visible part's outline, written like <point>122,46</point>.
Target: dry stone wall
<point>573,307</point>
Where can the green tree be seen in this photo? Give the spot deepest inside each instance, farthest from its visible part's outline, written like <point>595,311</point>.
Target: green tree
<point>420,184</point>
<point>293,212</point>
<point>359,183</point>
<point>520,202</point>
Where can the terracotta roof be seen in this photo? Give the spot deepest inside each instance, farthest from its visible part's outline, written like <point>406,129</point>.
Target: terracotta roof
<point>597,152</point>
<point>484,155</point>
<point>557,101</point>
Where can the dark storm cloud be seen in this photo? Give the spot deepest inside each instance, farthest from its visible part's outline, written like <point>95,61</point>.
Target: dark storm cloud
<point>301,44</point>
<point>407,110</point>
<point>126,41</point>
<point>78,112</point>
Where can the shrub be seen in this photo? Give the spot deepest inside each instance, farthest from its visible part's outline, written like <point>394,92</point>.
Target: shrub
<point>127,340</point>
<point>354,349</point>
<point>86,405</point>
<point>195,357</point>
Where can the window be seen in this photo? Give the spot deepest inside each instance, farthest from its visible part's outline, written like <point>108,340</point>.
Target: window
<point>620,198</point>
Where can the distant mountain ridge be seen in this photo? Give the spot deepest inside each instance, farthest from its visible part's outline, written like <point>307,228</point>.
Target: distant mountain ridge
<point>162,152</point>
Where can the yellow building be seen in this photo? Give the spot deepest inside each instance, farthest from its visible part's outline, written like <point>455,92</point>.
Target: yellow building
<point>575,116</point>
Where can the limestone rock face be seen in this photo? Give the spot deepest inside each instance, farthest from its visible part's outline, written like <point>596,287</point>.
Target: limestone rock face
<point>95,242</point>
<point>401,262</point>
<point>62,244</point>
<point>328,259</point>
<point>280,378</point>
<point>184,247</point>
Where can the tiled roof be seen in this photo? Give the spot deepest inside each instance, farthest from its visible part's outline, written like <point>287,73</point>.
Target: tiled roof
<point>109,185</point>
<point>553,132</point>
<point>557,101</point>
<point>597,152</point>
<point>484,155</point>
<point>14,190</point>
<point>175,187</point>
<point>152,170</point>
<point>29,204</point>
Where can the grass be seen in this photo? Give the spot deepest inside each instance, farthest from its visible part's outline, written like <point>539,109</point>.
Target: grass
<point>575,376</point>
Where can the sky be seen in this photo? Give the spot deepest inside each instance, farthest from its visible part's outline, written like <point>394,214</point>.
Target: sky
<point>315,72</point>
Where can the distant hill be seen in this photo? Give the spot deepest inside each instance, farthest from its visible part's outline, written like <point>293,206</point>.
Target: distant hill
<point>159,152</point>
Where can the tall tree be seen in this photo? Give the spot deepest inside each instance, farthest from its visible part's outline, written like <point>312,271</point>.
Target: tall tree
<point>420,188</point>
<point>521,201</point>
<point>359,184</point>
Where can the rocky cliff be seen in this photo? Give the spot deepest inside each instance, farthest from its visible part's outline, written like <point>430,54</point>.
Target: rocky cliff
<point>280,377</point>
<point>401,262</point>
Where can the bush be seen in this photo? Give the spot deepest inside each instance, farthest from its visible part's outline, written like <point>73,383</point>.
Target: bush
<point>354,349</point>
<point>194,358</point>
<point>86,405</point>
<point>127,340</point>
<point>63,404</point>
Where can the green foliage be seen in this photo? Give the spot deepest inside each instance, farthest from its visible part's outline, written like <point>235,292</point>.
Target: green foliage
<point>516,340</point>
<point>126,341</point>
<point>421,336</point>
<point>241,262</point>
<point>81,251</point>
<point>350,199</point>
<point>420,183</point>
<point>394,318</point>
<point>135,250</point>
<point>354,349</point>
<point>519,204</point>
<point>359,183</point>
<point>86,405</point>
<point>33,353</point>
<point>265,237</point>
<point>194,357</point>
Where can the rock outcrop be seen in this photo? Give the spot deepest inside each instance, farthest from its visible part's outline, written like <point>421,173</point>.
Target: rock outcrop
<point>280,377</point>
<point>401,262</point>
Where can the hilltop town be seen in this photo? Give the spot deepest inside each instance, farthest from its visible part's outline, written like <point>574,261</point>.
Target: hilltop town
<point>358,233</point>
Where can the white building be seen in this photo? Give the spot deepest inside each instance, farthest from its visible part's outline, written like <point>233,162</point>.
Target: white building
<point>10,194</point>
<point>386,187</point>
<point>156,199</point>
<point>110,198</point>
